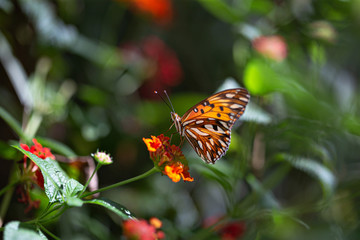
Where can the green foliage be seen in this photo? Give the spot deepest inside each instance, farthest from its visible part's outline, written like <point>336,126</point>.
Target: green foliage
<point>16,230</point>
<point>58,186</point>
<point>80,77</point>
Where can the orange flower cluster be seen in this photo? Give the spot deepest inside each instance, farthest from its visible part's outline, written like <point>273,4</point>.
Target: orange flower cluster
<point>32,171</point>
<point>142,230</point>
<point>168,158</point>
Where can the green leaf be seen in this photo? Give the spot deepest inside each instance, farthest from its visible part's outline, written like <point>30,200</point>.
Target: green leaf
<point>58,186</point>
<point>13,123</point>
<point>74,201</point>
<point>73,187</point>
<point>213,173</point>
<point>313,168</point>
<point>221,10</point>
<point>7,152</point>
<point>112,206</point>
<point>16,230</point>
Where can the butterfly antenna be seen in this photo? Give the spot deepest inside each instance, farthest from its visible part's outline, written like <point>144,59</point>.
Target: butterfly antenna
<point>167,104</point>
<point>169,101</point>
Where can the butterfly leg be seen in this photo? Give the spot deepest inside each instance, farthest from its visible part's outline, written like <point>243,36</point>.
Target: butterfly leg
<point>170,127</point>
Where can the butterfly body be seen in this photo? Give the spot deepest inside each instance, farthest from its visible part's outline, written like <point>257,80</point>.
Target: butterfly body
<point>207,125</point>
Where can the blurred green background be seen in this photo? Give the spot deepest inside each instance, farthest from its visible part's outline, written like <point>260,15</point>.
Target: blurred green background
<point>87,71</point>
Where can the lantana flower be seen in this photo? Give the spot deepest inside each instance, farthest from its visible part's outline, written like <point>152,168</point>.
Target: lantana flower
<point>102,158</point>
<point>273,47</point>
<point>142,230</point>
<point>168,158</point>
<point>32,171</point>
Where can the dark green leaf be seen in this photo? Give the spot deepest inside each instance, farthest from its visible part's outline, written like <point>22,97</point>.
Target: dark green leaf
<point>223,11</point>
<point>7,152</point>
<point>313,168</point>
<point>112,206</point>
<point>12,122</point>
<point>58,186</point>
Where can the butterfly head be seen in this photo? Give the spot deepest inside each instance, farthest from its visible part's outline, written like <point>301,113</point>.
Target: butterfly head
<point>177,121</point>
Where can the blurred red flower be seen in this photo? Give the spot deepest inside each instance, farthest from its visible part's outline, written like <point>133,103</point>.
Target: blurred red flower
<point>160,10</point>
<point>142,230</point>
<point>161,68</point>
<point>32,172</point>
<point>168,158</point>
<point>232,231</point>
<point>227,230</point>
<point>273,47</point>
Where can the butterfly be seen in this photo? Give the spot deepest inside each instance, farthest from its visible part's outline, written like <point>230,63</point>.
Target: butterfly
<point>207,125</point>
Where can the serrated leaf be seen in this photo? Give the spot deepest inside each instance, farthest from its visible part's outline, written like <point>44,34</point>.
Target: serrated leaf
<point>112,206</point>
<point>16,230</point>
<point>73,187</point>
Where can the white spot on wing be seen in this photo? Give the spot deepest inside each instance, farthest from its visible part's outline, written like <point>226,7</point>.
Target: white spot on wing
<point>187,122</point>
<point>200,145</point>
<point>199,121</point>
<point>212,141</point>
<point>199,132</point>
<point>208,145</point>
<point>191,134</point>
<point>224,124</point>
<point>230,95</point>
<point>244,99</point>
<point>208,155</point>
<point>209,127</point>
<point>235,106</point>
<point>222,143</point>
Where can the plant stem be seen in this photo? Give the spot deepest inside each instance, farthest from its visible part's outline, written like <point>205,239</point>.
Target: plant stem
<point>48,232</point>
<point>92,175</point>
<point>33,125</point>
<point>58,214</point>
<point>9,192</point>
<point>7,187</point>
<point>148,173</point>
<point>5,204</point>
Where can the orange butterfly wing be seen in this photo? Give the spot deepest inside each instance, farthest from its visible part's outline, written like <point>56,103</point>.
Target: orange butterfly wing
<point>207,125</point>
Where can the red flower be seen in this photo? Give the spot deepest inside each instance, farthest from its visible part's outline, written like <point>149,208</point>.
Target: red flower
<point>160,65</point>
<point>31,168</point>
<point>32,171</point>
<point>160,10</point>
<point>227,230</point>
<point>232,231</point>
<point>273,47</point>
<point>168,158</point>
<point>142,230</point>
